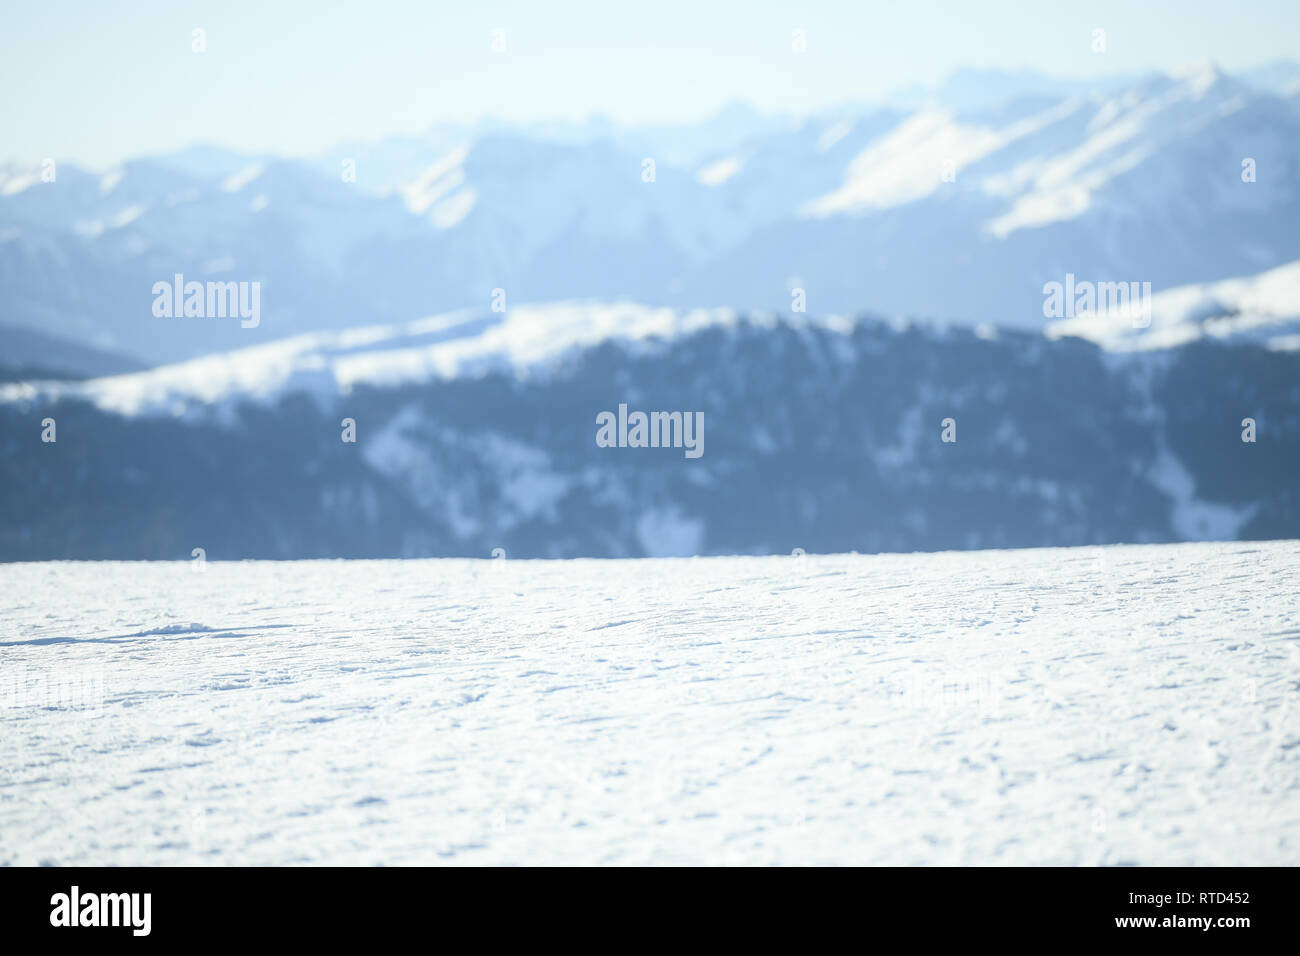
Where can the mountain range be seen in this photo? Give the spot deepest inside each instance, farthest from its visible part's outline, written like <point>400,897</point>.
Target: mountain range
<point>957,203</point>
<point>852,304</point>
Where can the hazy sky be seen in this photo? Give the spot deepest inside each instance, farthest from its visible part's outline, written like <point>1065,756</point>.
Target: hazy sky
<point>98,82</point>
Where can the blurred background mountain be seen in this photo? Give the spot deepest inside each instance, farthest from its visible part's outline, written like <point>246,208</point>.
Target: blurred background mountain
<point>957,203</point>
<point>953,205</point>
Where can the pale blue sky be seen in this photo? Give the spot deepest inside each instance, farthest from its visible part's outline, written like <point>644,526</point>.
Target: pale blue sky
<point>98,82</point>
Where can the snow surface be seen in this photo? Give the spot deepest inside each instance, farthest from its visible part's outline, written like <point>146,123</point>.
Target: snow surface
<point>1075,706</point>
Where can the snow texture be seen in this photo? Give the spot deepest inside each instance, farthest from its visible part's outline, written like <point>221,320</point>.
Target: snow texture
<point>1131,704</point>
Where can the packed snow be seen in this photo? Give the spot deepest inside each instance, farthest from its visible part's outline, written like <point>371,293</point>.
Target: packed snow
<point>1077,706</point>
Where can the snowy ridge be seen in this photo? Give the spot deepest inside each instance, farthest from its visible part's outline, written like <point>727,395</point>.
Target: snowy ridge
<point>1262,309</point>
<point>520,341</point>
<point>476,432</point>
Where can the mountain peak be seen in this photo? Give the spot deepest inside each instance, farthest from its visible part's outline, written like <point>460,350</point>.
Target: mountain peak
<point>1200,75</point>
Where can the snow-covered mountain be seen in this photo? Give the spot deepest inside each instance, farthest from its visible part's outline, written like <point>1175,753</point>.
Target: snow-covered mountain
<point>1264,309</point>
<point>476,431</point>
<point>958,203</point>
